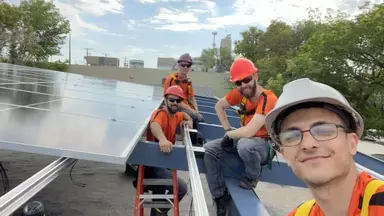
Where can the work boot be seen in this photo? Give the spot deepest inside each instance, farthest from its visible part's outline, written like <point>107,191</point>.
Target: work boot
<point>248,183</point>
<point>222,203</point>
<point>158,212</point>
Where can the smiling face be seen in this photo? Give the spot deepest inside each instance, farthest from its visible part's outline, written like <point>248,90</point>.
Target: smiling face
<point>173,103</point>
<point>247,86</point>
<point>319,162</point>
<point>184,68</point>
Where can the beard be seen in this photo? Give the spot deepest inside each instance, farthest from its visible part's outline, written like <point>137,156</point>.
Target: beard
<point>172,108</point>
<point>248,91</point>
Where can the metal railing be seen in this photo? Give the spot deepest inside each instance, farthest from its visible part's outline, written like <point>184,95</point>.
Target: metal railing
<point>19,195</point>
<point>199,203</point>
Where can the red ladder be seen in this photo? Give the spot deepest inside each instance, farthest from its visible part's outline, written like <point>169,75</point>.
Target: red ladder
<point>142,202</point>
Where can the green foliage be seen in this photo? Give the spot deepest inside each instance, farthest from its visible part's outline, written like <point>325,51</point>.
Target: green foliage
<point>56,66</point>
<point>225,57</point>
<point>343,53</point>
<point>32,31</point>
<point>208,57</point>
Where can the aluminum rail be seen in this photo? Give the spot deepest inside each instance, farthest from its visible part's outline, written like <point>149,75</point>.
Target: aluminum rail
<point>199,203</point>
<point>370,172</point>
<point>19,195</point>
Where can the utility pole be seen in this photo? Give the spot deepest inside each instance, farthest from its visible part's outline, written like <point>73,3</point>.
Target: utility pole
<point>87,54</point>
<point>105,54</point>
<point>69,54</point>
<point>214,47</point>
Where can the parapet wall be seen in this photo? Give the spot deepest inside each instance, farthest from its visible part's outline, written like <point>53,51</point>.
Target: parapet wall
<point>148,76</point>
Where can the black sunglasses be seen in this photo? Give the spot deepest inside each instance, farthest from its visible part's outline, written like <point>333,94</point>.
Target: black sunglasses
<point>173,100</point>
<point>245,80</point>
<point>185,65</point>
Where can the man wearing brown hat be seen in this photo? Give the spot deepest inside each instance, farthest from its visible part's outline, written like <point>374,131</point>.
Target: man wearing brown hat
<point>180,78</point>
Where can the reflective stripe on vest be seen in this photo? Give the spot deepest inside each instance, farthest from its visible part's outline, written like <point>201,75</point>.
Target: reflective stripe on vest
<point>243,112</point>
<point>371,188</point>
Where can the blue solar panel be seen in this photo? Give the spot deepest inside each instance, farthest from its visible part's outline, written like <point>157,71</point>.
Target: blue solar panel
<point>70,115</point>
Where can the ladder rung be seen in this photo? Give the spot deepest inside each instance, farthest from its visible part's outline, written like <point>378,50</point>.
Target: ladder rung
<point>156,204</point>
<point>156,196</point>
<point>158,182</point>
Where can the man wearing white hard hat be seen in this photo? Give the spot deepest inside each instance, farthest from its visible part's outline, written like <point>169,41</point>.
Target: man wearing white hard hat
<point>318,132</point>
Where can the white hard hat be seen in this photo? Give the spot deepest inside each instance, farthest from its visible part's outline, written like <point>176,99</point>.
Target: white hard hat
<point>305,90</point>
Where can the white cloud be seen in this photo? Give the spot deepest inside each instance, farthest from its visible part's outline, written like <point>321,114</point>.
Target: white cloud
<point>131,24</point>
<point>99,7</point>
<point>73,12</point>
<point>156,1</point>
<point>187,26</point>
<point>185,19</point>
<point>174,16</point>
<point>262,12</point>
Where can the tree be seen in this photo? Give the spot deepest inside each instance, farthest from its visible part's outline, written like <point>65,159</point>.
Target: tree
<point>32,31</point>
<point>9,20</point>
<point>249,46</point>
<point>49,27</point>
<point>226,58</point>
<point>208,58</point>
<point>344,53</point>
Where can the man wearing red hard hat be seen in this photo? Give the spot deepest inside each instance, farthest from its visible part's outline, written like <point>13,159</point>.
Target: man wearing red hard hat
<point>162,129</point>
<point>181,79</point>
<point>250,141</point>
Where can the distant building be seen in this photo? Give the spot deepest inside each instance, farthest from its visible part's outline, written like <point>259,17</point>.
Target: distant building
<point>102,61</point>
<point>226,42</point>
<point>136,63</point>
<point>166,63</point>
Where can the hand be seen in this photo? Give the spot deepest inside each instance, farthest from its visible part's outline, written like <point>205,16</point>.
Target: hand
<point>165,146</point>
<point>188,123</point>
<point>227,143</point>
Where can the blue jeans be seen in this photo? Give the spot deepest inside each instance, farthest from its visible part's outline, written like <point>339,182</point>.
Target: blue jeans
<point>162,173</point>
<point>251,151</point>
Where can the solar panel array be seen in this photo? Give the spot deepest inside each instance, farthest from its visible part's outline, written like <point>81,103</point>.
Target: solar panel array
<point>70,115</point>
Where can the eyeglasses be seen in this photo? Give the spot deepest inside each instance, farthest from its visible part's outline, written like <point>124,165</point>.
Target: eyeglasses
<point>173,100</point>
<point>185,65</point>
<point>320,132</point>
<point>245,80</point>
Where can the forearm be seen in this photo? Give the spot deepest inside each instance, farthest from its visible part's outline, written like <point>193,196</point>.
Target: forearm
<point>222,118</point>
<point>194,103</point>
<point>186,117</point>
<point>186,107</point>
<point>241,132</point>
<point>247,131</point>
<point>157,131</point>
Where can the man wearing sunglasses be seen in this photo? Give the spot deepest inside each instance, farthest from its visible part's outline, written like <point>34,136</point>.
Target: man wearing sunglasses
<point>249,142</point>
<point>181,79</point>
<point>163,125</point>
<point>318,132</point>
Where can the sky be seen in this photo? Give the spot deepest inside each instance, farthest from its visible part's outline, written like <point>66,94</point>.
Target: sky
<point>147,29</point>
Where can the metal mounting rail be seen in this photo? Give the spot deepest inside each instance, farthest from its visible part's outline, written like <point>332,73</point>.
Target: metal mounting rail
<point>370,172</point>
<point>199,203</point>
<point>19,195</point>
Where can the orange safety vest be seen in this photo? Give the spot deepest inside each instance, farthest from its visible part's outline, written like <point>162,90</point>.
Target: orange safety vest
<point>188,81</point>
<point>305,208</point>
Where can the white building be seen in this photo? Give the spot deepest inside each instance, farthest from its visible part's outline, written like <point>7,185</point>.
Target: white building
<point>136,63</point>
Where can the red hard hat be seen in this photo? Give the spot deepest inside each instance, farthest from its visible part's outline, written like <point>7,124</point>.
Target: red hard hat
<point>241,68</point>
<point>175,90</point>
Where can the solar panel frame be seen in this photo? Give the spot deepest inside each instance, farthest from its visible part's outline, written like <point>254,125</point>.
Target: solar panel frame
<point>69,115</point>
